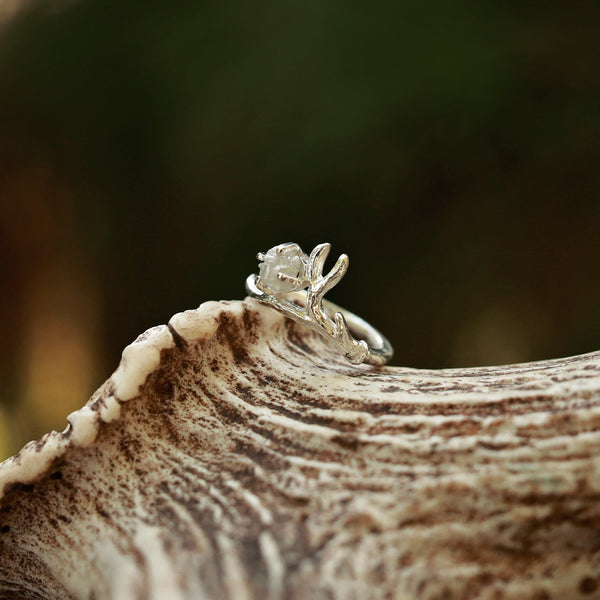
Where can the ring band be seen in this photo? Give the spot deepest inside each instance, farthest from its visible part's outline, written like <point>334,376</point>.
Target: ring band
<point>293,283</point>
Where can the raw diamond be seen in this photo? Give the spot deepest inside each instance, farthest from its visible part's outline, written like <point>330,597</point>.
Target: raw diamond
<point>287,260</point>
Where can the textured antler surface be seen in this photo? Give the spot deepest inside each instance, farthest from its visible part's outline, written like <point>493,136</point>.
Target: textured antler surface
<point>235,455</point>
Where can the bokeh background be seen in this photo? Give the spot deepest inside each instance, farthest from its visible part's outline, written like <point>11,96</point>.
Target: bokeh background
<point>149,149</point>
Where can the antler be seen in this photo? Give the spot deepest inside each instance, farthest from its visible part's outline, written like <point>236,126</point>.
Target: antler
<point>320,284</point>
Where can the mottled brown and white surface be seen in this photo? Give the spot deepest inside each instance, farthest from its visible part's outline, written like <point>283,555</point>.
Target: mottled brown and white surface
<point>234,455</point>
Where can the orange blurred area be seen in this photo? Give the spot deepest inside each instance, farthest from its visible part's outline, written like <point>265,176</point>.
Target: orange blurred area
<point>60,348</point>
<point>51,363</point>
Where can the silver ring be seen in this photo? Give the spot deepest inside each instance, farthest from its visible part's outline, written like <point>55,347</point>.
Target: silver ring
<point>293,283</point>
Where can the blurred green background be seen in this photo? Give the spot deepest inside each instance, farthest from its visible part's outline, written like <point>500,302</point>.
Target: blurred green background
<point>149,149</point>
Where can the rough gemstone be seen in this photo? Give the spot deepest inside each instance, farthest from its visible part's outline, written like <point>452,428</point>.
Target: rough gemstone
<point>287,260</point>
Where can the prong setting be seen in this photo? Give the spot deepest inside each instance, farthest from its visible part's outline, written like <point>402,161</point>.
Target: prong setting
<point>294,280</point>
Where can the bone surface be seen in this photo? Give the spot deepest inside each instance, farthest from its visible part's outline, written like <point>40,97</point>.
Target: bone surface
<point>235,454</point>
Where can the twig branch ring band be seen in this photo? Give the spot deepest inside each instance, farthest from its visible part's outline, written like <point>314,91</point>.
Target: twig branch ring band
<point>293,283</point>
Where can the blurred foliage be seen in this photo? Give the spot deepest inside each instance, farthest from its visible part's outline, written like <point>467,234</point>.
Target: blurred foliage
<point>150,149</point>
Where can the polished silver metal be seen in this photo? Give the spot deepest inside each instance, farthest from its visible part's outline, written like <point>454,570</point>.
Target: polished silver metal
<point>293,283</point>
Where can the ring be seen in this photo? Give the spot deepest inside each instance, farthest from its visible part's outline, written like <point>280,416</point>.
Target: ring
<point>293,283</point>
